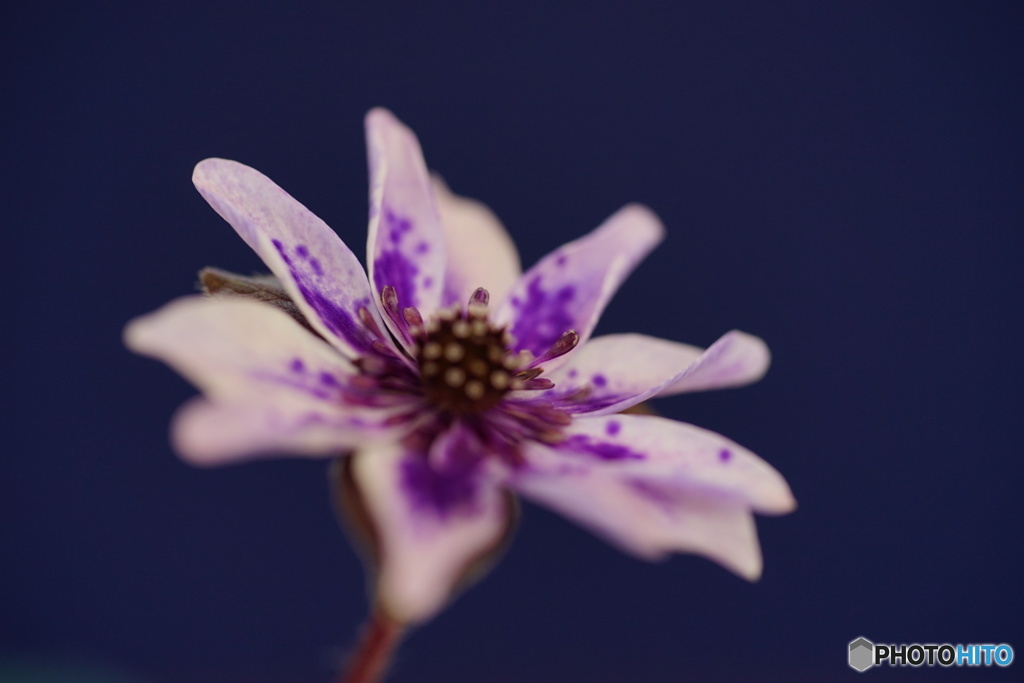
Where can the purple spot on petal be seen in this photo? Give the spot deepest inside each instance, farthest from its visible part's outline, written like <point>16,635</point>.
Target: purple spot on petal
<point>328,379</point>
<point>422,248</point>
<point>397,226</point>
<point>282,251</point>
<point>440,492</point>
<point>315,265</point>
<point>544,318</point>
<point>393,268</point>
<point>584,445</point>
<point>599,380</point>
<point>724,455</point>
<point>428,282</point>
<point>560,261</point>
<point>334,317</point>
<point>302,251</point>
<point>612,428</point>
<point>573,373</point>
<point>297,365</point>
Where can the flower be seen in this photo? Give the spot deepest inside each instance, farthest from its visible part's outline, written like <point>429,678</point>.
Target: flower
<point>452,379</point>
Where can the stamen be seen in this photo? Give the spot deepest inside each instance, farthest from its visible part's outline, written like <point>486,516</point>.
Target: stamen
<point>371,365</point>
<point>566,343</point>
<point>432,350</point>
<point>412,316</point>
<point>389,298</point>
<point>460,328</point>
<point>538,383</point>
<point>382,348</point>
<point>480,296</point>
<point>527,375</point>
<point>368,322</point>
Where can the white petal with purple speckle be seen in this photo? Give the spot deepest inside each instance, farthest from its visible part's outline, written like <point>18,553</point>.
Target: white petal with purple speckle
<point>319,272</point>
<point>406,247</point>
<point>569,288</point>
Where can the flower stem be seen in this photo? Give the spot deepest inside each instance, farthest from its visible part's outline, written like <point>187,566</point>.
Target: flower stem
<point>372,655</point>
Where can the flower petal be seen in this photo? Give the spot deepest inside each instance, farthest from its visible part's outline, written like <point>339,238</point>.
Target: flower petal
<point>480,251</point>
<point>569,288</point>
<point>319,272</point>
<point>432,524</point>
<point>406,248</point>
<point>679,455</point>
<point>649,523</point>
<point>653,486</point>
<point>266,377</point>
<point>621,370</point>
<point>208,433</point>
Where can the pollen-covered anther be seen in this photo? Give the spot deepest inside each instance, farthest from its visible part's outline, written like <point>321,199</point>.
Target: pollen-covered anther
<point>465,364</point>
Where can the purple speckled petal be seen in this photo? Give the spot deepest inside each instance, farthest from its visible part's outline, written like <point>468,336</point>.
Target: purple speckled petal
<point>406,247</point>
<point>267,380</point>
<point>622,370</point>
<point>569,288</point>
<point>431,523</point>
<point>480,251</point>
<point>319,272</point>
<point>676,455</point>
<point>646,521</point>
<point>654,486</point>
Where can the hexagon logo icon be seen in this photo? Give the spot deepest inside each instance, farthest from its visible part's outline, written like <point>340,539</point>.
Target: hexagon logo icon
<point>862,654</point>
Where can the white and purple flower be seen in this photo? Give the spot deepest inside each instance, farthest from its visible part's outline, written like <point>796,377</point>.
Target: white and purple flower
<point>452,378</point>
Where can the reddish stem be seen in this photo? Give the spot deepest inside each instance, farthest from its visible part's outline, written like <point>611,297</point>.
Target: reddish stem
<point>372,656</point>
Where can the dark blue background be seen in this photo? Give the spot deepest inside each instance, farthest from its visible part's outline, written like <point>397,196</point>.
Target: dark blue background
<point>844,179</point>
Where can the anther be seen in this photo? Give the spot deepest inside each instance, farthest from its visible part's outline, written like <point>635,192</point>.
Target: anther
<point>526,375</point>
<point>460,328</point>
<point>475,389</point>
<point>412,316</point>
<point>538,383</point>
<point>566,343</point>
<point>499,379</point>
<point>432,350</point>
<point>454,352</point>
<point>454,377</point>
<point>368,322</point>
<point>430,369</point>
<point>480,296</point>
<point>389,297</point>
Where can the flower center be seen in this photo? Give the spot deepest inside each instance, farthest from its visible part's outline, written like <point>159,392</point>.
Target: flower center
<point>464,362</point>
